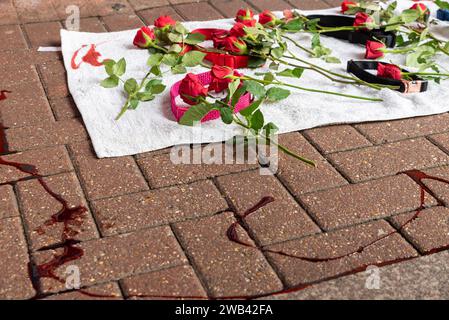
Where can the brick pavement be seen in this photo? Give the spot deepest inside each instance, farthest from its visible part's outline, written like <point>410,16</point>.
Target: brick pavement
<point>148,232</point>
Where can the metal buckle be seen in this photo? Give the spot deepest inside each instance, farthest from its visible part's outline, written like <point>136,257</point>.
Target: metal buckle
<point>413,86</point>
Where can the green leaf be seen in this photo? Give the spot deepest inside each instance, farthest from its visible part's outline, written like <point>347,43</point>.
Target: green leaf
<point>442,4</point>
<point>193,58</point>
<point>270,128</point>
<point>133,103</point>
<point>108,66</point>
<point>257,120</point>
<point>145,96</point>
<point>158,88</point>
<point>130,85</point>
<point>277,52</point>
<point>170,59</point>
<point>332,60</point>
<point>268,77</point>
<point>316,42</point>
<point>249,110</point>
<point>175,37</point>
<point>155,70</point>
<point>226,115</point>
<point>233,86</point>
<point>293,25</point>
<point>410,15</point>
<point>120,67</point>
<point>175,48</point>
<point>254,62</point>
<point>292,73</point>
<point>110,82</point>
<point>194,38</point>
<point>178,69</point>
<point>277,94</point>
<point>154,59</point>
<point>195,114</point>
<point>238,93</point>
<point>255,88</point>
<point>180,28</point>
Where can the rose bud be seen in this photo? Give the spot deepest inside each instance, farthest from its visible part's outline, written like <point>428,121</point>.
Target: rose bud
<point>364,20</point>
<point>144,38</point>
<point>250,23</point>
<point>267,18</point>
<point>389,71</point>
<point>164,21</point>
<point>374,49</point>
<point>191,88</point>
<point>244,15</point>
<point>348,5</point>
<point>221,78</point>
<point>238,30</point>
<point>421,7</point>
<point>235,45</point>
<point>288,15</point>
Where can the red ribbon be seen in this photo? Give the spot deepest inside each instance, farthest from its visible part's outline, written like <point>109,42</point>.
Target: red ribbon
<point>221,59</point>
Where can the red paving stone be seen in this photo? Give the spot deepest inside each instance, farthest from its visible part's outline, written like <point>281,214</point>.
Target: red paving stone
<point>355,203</point>
<point>177,282</point>
<point>156,207</point>
<point>228,269</point>
<point>296,272</point>
<point>38,207</point>
<point>118,257</point>
<point>8,203</point>
<point>155,228</point>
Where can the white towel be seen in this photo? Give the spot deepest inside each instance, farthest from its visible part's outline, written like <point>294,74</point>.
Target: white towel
<point>152,126</point>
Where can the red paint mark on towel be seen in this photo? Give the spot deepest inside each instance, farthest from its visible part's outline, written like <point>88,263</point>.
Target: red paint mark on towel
<point>91,57</point>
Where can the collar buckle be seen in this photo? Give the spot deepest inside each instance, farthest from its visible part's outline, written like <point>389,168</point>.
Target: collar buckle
<point>413,86</point>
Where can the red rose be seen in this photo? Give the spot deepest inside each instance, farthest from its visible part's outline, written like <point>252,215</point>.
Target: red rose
<point>191,87</point>
<point>144,38</point>
<point>220,78</point>
<point>389,71</point>
<point>234,45</point>
<point>250,23</point>
<point>347,5</point>
<point>238,30</point>
<point>363,20</point>
<point>374,49</point>
<point>244,15</point>
<point>164,21</point>
<point>267,18</point>
<point>421,7</point>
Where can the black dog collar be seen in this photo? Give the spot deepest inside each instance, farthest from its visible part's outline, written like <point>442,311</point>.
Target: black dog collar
<point>356,36</point>
<point>358,68</point>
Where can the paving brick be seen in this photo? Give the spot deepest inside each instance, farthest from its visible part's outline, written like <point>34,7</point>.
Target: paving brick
<point>8,13</point>
<point>176,173</point>
<point>43,34</point>
<point>64,10</point>
<point>184,1</point>
<point>269,4</point>
<point>118,257</point>
<point>17,74</point>
<point>442,140</point>
<point>228,8</point>
<point>11,37</point>
<point>296,272</point>
<point>108,291</point>
<point>310,4</point>
<point>121,22</point>
<point>429,231</point>
<point>46,134</point>
<point>439,189</point>
<point>360,202</point>
<point>13,60</point>
<point>336,138</point>
<point>389,131</point>
<point>92,24</point>
<point>107,177</point>
<point>8,203</point>
<point>54,79</point>
<point>150,15</point>
<point>48,161</point>
<point>64,108</point>
<point>228,269</point>
<point>156,207</point>
<point>299,177</point>
<point>14,281</point>
<point>30,11</point>
<point>278,221</point>
<point>26,105</point>
<point>379,161</point>
<point>178,282</point>
<point>38,206</point>
<point>198,11</point>
<point>333,3</point>
<point>107,7</point>
<point>145,4</point>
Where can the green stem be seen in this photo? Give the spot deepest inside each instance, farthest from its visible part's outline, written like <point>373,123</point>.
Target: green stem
<point>126,105</point>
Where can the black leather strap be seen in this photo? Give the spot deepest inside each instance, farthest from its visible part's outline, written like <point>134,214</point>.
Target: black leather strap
<point>358,68</point>
<point>356,36</point>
